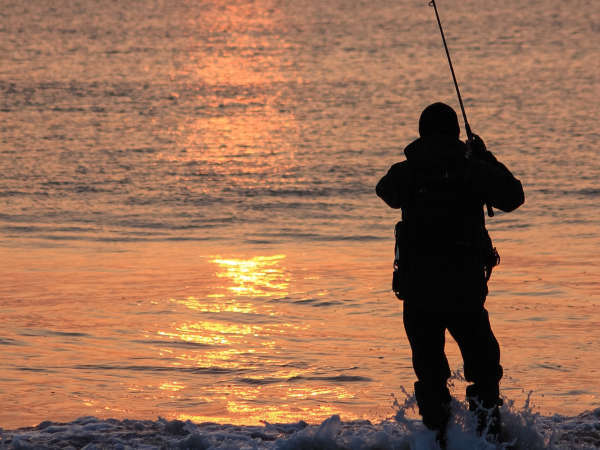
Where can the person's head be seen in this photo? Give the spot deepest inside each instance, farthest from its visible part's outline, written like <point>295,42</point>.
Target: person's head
<point>439,118</point>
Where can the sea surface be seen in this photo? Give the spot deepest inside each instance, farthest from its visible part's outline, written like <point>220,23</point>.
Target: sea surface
<point>188,223</point>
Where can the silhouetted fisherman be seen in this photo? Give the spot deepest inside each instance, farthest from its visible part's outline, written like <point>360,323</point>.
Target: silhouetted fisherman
<point>444,260</point>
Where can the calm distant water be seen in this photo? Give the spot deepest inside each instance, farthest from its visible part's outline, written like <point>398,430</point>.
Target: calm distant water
<point>188,224</point>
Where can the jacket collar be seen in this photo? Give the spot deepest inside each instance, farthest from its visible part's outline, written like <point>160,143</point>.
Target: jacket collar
<point>435,150</point>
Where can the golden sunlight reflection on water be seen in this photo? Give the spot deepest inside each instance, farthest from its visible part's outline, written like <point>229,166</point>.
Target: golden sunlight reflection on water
<point>260,276</point>
<point>243,413</point>
<point>230,341</point>
<point>251,404</point>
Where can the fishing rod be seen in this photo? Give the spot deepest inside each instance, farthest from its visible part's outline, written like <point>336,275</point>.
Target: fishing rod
<point>490,211</point>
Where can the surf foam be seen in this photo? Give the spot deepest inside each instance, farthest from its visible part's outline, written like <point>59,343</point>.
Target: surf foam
<point>523,429</point>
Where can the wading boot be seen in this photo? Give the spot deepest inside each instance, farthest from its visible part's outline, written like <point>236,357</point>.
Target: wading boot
<point>434,408</point>
<point>485,402</point>
<point>441,438</point>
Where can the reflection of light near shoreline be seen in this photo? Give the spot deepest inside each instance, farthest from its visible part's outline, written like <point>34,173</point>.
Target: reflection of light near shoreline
<point>217,328</point>
<point>310,392</point>
<point>173,386</point>
<point>185,336</point>
<point>247,413</point>
<point>260,276</point>
<point>212,307</point>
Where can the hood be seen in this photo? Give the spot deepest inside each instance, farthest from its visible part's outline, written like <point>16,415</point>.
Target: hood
<point>436,150</point>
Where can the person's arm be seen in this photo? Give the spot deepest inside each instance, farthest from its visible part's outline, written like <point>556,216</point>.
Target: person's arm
<point>392,187</point>
<point>497,185</point>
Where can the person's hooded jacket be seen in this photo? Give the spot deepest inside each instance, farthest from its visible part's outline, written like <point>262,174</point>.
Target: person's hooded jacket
<point>441,193</point>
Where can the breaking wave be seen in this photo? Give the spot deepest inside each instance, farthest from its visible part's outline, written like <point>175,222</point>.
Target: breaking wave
<point>523,429</point>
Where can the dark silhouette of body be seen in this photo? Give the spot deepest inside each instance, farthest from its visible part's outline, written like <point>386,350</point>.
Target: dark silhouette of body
<point>441,189</point>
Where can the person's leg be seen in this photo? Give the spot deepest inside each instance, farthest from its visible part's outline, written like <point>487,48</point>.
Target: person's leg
<point>481,356</point>
<point>425,332</point>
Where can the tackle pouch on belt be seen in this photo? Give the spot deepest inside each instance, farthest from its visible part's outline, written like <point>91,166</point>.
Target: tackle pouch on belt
<point>400,276</point>
<point>488,258</point>
<point>489,255</point>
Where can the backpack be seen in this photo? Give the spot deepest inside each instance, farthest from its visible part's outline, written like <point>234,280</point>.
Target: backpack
<point>441,228</point>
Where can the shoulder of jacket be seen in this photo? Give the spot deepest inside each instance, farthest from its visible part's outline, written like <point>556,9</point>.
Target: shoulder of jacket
<point>400,166</point>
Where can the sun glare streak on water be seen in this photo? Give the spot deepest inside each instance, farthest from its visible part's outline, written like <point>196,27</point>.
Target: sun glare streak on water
<point>257,277</point>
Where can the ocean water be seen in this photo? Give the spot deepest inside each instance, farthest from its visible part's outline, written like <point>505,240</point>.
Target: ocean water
<point>188,224</point>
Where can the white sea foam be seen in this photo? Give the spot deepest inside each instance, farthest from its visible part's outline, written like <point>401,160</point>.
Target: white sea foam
<point>522,430</point>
